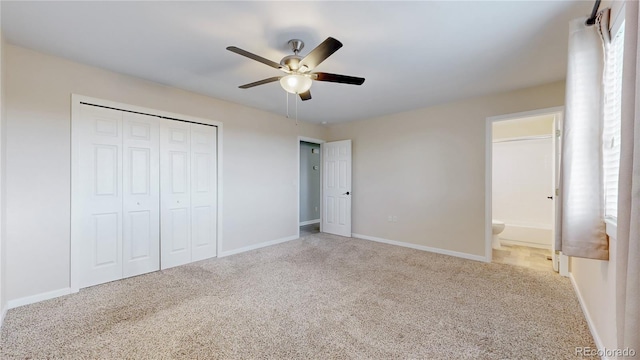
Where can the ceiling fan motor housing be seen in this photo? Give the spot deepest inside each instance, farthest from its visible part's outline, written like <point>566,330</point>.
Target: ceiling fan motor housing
<point>291,61</point>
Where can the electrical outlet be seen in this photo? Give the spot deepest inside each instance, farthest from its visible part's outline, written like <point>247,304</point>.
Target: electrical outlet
<point>316,209</point>
<point>390,218</point>
<point>395,219</point>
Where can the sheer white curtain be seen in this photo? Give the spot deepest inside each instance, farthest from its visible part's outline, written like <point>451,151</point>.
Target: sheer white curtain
<point>628,237</point>
<point>582,233</point>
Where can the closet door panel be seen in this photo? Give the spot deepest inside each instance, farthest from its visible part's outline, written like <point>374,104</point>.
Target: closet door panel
<point>99,188</point>
<point>179,223</point>
<point>203,191</point>
<point>175,196</point>
<point>140,224</point>
<point>141,202</point>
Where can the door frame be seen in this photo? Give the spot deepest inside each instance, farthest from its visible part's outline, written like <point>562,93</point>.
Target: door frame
<point>76,101</point>
<point>558,112</point>
<point>313,141</point>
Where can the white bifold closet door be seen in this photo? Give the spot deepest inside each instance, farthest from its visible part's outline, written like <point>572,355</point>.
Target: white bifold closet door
<point>204,189</point>
<point>99,189</point>
<point>188,188</point>
<point>146,193</point>
<point>118,189</point>
<point>141,201</point>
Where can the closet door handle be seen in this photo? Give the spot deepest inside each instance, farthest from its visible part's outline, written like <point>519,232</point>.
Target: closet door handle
<point>550,197</point>
<point>347,193</point>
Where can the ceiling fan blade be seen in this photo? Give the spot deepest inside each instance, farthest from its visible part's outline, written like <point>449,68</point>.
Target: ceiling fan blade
<point>305,95</point>
<point>255,57</point>
<point>343,79</point>
<point>320,53</point>
<point>261,82</point>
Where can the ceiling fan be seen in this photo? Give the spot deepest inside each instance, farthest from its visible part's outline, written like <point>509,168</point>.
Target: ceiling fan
<point>298,78</point>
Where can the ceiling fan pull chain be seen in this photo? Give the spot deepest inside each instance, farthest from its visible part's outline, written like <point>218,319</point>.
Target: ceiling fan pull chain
<point>286,94</point>
<point>296,100</point>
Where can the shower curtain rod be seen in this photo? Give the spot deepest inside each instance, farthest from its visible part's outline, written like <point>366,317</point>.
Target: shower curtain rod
<point>592,19</point>
<point>523,138</point>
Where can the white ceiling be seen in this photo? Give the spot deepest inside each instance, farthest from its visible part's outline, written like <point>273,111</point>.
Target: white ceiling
<point>412,54</point>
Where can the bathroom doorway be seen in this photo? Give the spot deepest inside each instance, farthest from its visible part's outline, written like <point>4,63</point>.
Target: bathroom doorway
<point>310,186</point>
<point>522,177</point>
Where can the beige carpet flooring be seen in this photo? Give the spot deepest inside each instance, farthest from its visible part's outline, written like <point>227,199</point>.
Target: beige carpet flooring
<point>318,297</point>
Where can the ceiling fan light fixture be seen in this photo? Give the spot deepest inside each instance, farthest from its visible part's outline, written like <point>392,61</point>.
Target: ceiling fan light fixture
<point>296,83</point>
<point>298,78</point>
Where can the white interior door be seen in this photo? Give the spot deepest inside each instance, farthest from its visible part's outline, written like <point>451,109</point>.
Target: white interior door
<point>336,186</point>
<point>175,193</point>
<point>141,203</point>
<point>99,191</point>
<point>203,191</point>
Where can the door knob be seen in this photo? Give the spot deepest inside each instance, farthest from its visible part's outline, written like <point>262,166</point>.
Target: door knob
<point>550,197</point>
<point>347,193</point>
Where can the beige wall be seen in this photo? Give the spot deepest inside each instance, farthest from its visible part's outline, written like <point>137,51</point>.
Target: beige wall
<point>595,282</point>
<point>256,209</point>
<point>532,126</point>
<point>427,167</point>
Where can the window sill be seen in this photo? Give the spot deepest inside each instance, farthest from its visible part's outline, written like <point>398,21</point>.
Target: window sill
<point>611,227</point>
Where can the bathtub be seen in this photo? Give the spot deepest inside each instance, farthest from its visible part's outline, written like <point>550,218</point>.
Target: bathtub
<point>526,235</point>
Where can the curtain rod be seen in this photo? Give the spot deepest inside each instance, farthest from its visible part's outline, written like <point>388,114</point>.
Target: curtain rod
<point>592,19</point>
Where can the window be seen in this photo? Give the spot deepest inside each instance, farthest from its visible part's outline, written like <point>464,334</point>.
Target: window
<point>612,120</point>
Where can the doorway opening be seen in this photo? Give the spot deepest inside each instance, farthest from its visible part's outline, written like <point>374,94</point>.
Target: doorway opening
<point>310,186</point>
<point>523,155</point>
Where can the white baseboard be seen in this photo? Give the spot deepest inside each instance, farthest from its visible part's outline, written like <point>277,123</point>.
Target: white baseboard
<point>587,316</point>
<point>422,247</point>
<point>38,297</point>
<point>309,222</point>
<point>3,313</point>
<point>257,246</point>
